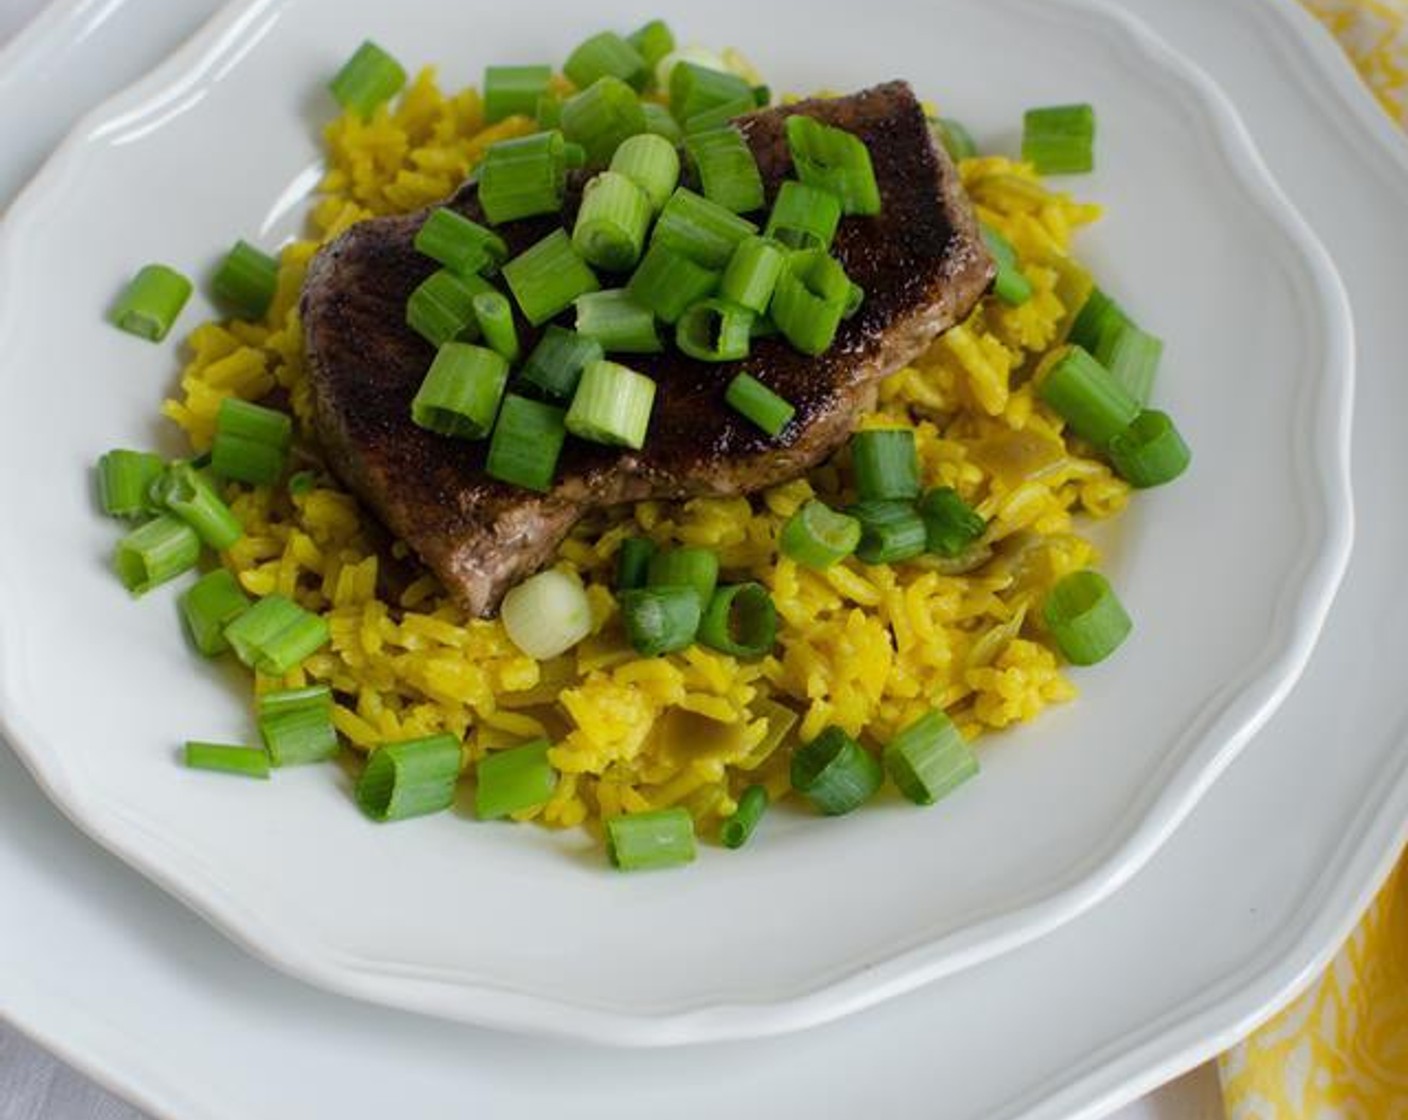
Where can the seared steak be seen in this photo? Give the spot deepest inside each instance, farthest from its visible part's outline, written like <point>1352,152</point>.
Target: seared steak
<point>922,266</point>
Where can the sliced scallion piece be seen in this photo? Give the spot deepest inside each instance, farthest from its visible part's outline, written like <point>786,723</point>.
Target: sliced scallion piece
<point>695,88</point>
<point>652,42</point>
<point>720,116</point>
<point>1082,392</point>
<point>891,532</point>
<point>669,283</point>
<point>612,222</point>
<point>124,479</point>
<point>461,391</point>
<point>368,79</point>
<point>601,117</point>
<point>275,635</point>
<point>513,90</point>
<point>835,773</point>
<point>740,621</point>
<point>646,841</point>
<point>251,442</point>
<point>556,363</point>
<point>929,758</point>
<point>886,464</point>
<point>250,762</point>
<point>153,553</point>
<point>715,330</point>
<point>547,614</point>
<point>526,443</point>
<point>701,230</point>
<point>189,495</point>
<point>736,831</point>
<point>151,302</point>
<point>651,163</point>
<point>727,169</point>
<point>817,536</point>
<point>508,781</point>
<point>441,309</point>
<point>1099,317</point>
<point>834,160</point>
<point>1059,139</point>
<point>1131,355</point>
<point>612,405</point>
<point>247,279</point>
<point>606,54</point>
<point>660,620</point>
<point>955,138</point>
<point>548,276</point>
<point>410,779</point>
<point>523,177</point>
<point>1010,285</point>
<point>633,563</point>
<point>1085,618</point>
<point>750,398</point>
<point>752,273</point>
<point>296,725</point>
<point>461,245</point>
<point>659,122</point>
<point>951,525</point>
<point>855,299</point>
<point>494,314</point>
<point>208,606</point>
<point>695,568</point>
<point>804,217</point>
<point>617,322</point>
<point>1150,452</point>
<point>809,300</point>
<point>548,113</point>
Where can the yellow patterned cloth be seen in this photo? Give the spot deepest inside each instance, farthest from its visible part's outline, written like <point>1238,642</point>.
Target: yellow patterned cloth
<point>1340,1051</point>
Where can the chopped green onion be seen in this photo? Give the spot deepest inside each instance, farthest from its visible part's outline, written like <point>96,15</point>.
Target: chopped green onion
<point>151,302</point>
<point>651,163</point>
<point>441,309</point>
<point>302,482</point>
<point>646,841</point>
<point>523,177</point>
<point>526,443</point>
<point>1082,392</point>
<point>669,283</point>
<point>703,231</point>
<point>1011,285</point>
<point>247,279</point>
<point>1150,451</point>
<point>720,116</point>
<point>695,568</point>
<point>251,442</point>
<point>1099,316</point>
<point>929,758</point>
<point>617,322</point>
<point>752,273</point>
<point>736,831</point>
<point>817,536</point>
<point>601,117</point>
<point>155,552</point>
<point>547,277</point>
<point>410,779</point>
<point>727,169</point>
<point>574,155</point>
<point>740,621</point>
<point>834,160</point>
<point>958,142</point>
<point>124,478</point>
<point>296,725</point>
<point>652,42</point>
<point>855,298</point>
<point>208,606</point>
<point>514,779</point>
<point>659,122</point>
<point>715,330</point>
<point>556,363</point>
<point>513,91</point>
<point>660,620</point>
<point>695,88</point>
<point>494,314</point>
<point>188,494</point>
<point>367,79</point>
<point>459,244</point>
<point>886,464</point>
<point>606,55</point>
<point>275,635</point>
<point>763,96</point>
<point>612,405</point>
<point>809,300</point>
<point>461,391</point>
<point>612,222</point>
<point>633,563</point>
<point>835,773</point>
<point>250,762</point>
<point>890,532</point>
<point>752,399</point>
<point>1131,355</point>
<point>951,525</point>
<point>1059,139</point>
<point>804,217</point>
<point>548,113</point>
<point>547,614</point>
<point>1085,618</point>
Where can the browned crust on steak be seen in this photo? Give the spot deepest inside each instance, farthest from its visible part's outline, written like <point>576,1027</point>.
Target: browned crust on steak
<point>921,263</point>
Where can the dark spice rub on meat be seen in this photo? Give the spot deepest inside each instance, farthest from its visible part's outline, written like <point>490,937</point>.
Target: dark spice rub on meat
<point>921,263</point>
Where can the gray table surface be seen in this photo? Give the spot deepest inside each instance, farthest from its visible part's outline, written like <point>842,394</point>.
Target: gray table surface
<point>36,1086</point>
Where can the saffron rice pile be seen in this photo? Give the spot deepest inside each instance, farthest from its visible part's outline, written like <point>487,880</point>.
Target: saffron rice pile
<point>866,648</point>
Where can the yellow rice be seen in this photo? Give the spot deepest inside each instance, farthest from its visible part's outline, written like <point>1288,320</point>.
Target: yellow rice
<point>865,648</point>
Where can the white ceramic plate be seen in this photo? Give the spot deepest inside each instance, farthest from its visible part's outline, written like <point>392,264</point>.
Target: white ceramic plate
<point>495,925</point>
